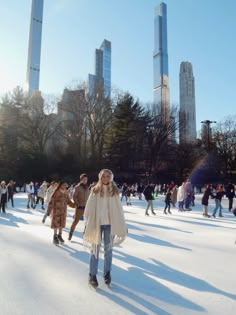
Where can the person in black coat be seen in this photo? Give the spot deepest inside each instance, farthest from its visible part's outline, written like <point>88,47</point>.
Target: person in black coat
<point>168,201</point>
<point>140,191</point>
<point>230,194</point>
<point>148,191</point>
<point>205,200</point>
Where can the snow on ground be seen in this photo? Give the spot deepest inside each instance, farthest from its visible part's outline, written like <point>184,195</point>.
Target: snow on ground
<point>170,264</point>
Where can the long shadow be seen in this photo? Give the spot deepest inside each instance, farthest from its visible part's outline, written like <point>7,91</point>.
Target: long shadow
<point>136,284</point>
<point>113,295</point>
<point>161,227</point>
<point>155,241</point>
<point>199,221</point>
<point>27,211</point>
<point>11,220</point>
<point>162,271</point>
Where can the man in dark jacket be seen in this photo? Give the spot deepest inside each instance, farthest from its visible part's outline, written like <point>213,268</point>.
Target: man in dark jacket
<point>230,194</point>
<point>148,191</point>
<point>80,197</point>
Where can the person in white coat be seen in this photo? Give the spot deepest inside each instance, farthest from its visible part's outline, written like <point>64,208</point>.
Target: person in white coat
<point>41,194</point>
<point>48,196</point>
<point>180,197</point>
<point>30,193</point>
<point>3,196</point>
<point>104,219</point>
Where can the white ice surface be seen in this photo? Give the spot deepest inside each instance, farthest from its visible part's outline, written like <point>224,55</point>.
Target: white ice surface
<point>170,264</point>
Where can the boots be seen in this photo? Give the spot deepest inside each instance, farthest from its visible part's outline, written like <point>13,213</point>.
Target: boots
<point>60,238</point>
<point>55,240</point>
<point>93,281</point>
<point>107,278</point>
<point>70,235</point>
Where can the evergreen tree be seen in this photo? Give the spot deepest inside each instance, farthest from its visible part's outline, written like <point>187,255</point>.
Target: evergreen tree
<point>127,133</point>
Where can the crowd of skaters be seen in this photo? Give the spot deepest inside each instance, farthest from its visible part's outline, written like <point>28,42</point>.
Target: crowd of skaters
<point>181,197</point>
<point>100,206</point>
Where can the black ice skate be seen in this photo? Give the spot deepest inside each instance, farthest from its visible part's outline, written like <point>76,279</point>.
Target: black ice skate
<point>107,278</point>
<point>55,240</point>
<point>93,281</point>
<point>60,239</point>
<point>70,235</point>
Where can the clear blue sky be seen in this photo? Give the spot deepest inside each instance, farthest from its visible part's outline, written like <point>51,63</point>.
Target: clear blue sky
<point>199,31</point>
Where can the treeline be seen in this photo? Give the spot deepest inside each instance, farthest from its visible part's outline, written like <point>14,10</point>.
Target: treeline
<point>49,138</point>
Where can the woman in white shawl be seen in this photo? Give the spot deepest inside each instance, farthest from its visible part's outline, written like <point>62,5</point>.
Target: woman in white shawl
<point>104,218</point>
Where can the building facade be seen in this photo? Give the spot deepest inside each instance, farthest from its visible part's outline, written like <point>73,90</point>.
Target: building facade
<point>34,50</point>
<point>161,93</point>
<point>188,132</point>
<point>102,77</point>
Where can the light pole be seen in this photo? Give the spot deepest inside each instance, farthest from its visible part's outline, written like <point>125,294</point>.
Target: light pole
<point>208,124</point>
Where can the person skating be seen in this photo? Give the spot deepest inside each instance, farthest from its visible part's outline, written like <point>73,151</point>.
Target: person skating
<point>124,192</point>
<point>80,197</point>
<point>57,208</point>
<point>230,194</point>
<point>3,196</point>
<point>128,194</point>
<point>174,192</point>
<point>140,191</point>
<point>48,196</point>
<point>180,197</point>
<point>168,201</point>
<point>104,219</point>
<point>205,200</point>
<point>188,190</point>
<point>41,194</point>
<point>11,190</point>
<point>30,193</point>
<point>148,194</point>
<point>218,197</point>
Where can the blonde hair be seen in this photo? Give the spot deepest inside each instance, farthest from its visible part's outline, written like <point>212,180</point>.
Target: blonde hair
<point>112,188</point>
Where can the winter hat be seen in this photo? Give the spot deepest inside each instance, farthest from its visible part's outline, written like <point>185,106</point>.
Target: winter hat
<point>105,170</point>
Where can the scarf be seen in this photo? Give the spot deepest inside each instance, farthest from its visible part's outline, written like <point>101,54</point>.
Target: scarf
<point>92,233</point>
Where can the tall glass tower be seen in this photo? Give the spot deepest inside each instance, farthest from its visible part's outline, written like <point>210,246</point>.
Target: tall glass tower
<point>161,92</point>
<point>187,112</point>
<point>102,77</point>
<point>106,69</point>
<point>34,51</point>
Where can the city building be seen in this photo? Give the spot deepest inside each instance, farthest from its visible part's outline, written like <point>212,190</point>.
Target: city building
<point>161,93</point>
<point>187,114</point>
<point>34,50</point>
<point>72,108</point>
<point>102,77</point>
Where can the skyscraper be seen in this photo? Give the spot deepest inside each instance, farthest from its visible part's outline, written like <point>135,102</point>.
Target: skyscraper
<point>102,77</point>
<point>160,61</point>
<point>34,51</point>
<point>187,116</point>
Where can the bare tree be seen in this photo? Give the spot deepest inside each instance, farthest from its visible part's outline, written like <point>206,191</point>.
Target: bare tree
<point>161,133</point>
<point>224,138</point>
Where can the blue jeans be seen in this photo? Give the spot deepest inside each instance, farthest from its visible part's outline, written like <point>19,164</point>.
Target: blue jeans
<point>218,205</point>
<point>106,235</point>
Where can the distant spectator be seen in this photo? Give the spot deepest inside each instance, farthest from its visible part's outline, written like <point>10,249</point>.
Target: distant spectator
<point>3,196</point>
<point>148,193</point>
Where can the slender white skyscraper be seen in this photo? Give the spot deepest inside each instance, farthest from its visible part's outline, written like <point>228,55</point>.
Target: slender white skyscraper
<point>34,51</point>
<point>161,94</point>
<point>187,113</point>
